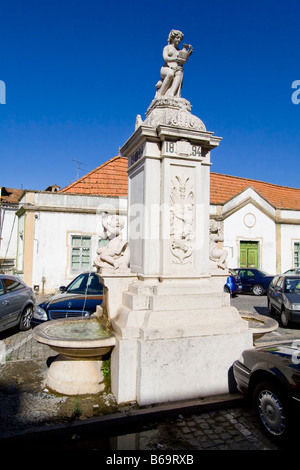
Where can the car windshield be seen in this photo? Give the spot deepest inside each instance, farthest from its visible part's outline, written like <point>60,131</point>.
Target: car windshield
<point>233,272</point>
<point>292,285</point>
<point>79,285</point>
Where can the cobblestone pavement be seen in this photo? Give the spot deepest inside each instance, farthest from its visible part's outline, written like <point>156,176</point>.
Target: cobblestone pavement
<point>225,429</point>
<point>26,406</point>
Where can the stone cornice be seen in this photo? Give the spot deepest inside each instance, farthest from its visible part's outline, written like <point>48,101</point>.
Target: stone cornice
<point>75,210</point>
<point>250,200</point>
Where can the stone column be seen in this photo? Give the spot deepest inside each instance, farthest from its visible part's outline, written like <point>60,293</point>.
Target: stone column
<point>168,192</point>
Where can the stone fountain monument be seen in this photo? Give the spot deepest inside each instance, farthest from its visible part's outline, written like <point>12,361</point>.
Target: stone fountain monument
<point>176,335</point>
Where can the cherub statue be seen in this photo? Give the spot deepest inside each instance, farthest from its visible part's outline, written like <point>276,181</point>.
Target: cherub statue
<point>218,255</point>
<point>172,71</point>
<point>116,254</point>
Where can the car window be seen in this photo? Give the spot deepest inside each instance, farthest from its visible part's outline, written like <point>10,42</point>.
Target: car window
<point>250,274</point>
<point>242,273</point>
<point>79,285</point>
<point>1,288</point>
<point>279,284</point>
<point>274,281</point>
<point>12,285</point>
<point>233,272</point>
<point>292,285</point>
<point>94,285</point>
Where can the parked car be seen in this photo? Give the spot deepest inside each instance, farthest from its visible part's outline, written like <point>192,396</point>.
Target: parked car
<point>254,280</point>
<point>233,284</point>
<point>79,299</point>
<point>284,298</point>
<point>293,271</point>
<point>17,301</point>
<point>270,378</point>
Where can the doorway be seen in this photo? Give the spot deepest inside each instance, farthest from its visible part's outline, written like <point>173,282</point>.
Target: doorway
<point>248,254</point>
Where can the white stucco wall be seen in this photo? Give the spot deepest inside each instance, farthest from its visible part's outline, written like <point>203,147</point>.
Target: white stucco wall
<point>290,234</point>
<point>9,231</point>
<point>56,218</point>
<point>263,231</point>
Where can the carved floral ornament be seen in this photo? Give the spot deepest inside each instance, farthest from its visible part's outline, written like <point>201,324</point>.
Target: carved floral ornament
<point>182,201</point>
<point>170,114</point>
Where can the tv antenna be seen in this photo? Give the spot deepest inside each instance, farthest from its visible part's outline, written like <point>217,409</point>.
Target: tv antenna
<point>78,166</point>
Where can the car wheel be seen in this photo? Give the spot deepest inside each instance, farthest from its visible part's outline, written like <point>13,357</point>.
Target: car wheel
<point>257,289</point>
<point>271,408</point>
<point>25,320</point>
<point>284,319</point>
<point>226,289</point>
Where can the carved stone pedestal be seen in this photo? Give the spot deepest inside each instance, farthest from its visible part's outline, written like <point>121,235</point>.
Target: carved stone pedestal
<point>176,334</point>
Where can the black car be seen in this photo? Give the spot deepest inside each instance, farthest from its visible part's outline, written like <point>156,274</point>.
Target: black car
<point>270,377</point>
<point>284,298</point>
<point>79,299</point>
<point>16,303</point>
<point>254,280</point>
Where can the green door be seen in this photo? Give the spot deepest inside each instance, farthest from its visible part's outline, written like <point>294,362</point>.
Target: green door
<point>248,254</point>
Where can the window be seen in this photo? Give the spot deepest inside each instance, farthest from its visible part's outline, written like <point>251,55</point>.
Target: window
<point>12,285</point>
<point>297,255</point>
<point>81,253</point>
<point>86,284</point>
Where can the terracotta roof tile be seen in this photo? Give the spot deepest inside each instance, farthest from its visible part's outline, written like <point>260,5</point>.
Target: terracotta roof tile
<point>224,187</point>
<point>10,195</point>
<point>110,179</point>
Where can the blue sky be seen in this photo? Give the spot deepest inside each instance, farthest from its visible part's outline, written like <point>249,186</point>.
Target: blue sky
<point>78,72</point>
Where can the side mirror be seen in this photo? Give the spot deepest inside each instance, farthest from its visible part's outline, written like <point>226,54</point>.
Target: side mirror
<point>62,288</point>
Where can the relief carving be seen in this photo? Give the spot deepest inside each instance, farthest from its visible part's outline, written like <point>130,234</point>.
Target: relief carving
<point>182,200</point>
<point>216,254</point>
<point>115,256</point>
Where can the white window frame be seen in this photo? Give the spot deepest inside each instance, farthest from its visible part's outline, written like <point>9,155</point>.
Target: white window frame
<point>296,255</point>
<point>81,267</point>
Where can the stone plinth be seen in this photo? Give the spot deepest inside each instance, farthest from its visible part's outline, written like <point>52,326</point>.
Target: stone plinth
<point>175,339</point>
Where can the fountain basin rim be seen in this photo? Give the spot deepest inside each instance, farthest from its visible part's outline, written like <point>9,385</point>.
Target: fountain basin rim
<point>267,324</point>
<point>42,335</point>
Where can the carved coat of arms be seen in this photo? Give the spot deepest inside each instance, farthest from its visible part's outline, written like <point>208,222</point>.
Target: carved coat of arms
<point>182,200</point>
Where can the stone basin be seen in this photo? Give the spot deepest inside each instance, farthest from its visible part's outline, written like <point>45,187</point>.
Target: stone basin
<point>259,325</point>
<point>81,344</point>
<point>75,337</point>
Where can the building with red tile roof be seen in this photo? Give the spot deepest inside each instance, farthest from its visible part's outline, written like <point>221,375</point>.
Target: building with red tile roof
<point>224,187</point>
<point>110,179</point>
<point>260,222</point>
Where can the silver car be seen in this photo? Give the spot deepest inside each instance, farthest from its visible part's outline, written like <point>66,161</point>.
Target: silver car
<point>17,301</point>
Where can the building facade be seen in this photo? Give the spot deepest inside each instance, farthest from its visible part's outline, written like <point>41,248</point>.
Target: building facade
<point>52,236</point>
